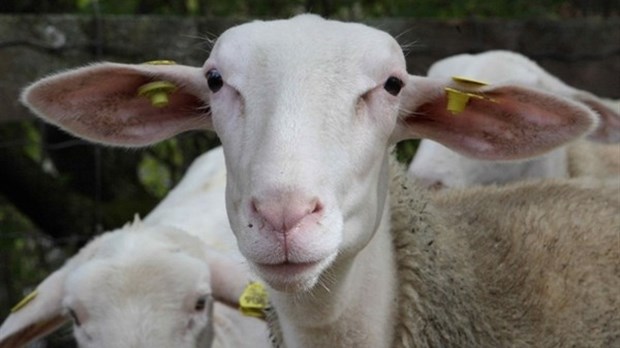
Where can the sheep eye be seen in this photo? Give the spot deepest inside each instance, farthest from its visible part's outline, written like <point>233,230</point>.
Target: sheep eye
<point>214,80</point>
<point>201,303</point>
<point>74,317</point>
<point>393,85</point>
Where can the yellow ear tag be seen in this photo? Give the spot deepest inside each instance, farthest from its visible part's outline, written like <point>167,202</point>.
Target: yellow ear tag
<point>160,62</point>
<point>157,92</point>
<point>457,100</point>
<point>468,81</point>
<point>254,300</point>
<point>21,304</point>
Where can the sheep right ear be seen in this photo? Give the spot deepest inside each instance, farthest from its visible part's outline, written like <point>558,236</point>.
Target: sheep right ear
<point>495,122</point>
<point>608,130</point>
<point>105,102</point>
<point>38,317</point>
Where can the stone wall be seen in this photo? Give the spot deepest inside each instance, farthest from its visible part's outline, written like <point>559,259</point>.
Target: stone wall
<point>585,53</point>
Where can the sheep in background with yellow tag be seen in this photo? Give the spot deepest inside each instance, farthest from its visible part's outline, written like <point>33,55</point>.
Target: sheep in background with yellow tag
<point>437,166</point>
<point>172,280</point>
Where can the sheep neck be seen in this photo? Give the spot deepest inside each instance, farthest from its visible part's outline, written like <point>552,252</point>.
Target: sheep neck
<point>355,308</point>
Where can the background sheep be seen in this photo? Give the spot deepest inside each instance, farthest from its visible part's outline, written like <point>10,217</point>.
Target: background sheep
<point>196,204</point>
<point>152,284</point>
<point>306,110</point>
<point>437,166</point>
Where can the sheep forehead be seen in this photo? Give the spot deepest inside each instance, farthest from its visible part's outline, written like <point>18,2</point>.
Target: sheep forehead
<point>151,280</point>
<point>305,46</point>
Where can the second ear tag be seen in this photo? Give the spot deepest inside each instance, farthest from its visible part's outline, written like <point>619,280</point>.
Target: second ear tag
<point>469,81</point>
<point>254,300</point>
<point>457,99</point>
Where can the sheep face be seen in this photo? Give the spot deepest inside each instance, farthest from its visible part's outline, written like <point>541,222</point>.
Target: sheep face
<point>140,302</point>
<point>305,132</point>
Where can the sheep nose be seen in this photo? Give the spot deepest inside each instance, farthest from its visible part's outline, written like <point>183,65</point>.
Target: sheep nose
<point>285,213</point>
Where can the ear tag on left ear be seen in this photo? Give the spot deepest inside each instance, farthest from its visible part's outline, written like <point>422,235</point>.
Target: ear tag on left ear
<point>157,92</point>
<point>254,300</point>
<point>160,62</point>
<point>21,304</point>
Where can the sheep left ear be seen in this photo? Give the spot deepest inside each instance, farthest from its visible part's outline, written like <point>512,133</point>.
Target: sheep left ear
<point>37,315</point>
<point>123,104</point>
<point>500,122</point>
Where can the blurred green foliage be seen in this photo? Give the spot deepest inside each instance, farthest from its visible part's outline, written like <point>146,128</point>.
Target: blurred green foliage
<point>33,145</point>
<point>161,167</point>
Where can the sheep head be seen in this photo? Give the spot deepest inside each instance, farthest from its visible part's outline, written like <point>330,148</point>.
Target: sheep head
<point>139,286</point>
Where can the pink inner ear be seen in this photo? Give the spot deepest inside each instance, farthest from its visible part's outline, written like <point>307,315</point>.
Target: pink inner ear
<point>518,123</point>
<point>104,105</point>
<point>87,95</point>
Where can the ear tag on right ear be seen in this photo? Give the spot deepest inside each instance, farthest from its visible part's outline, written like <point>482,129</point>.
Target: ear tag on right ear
<point>457,100</point>
<point>21,304</point>
<point>469,81</point>
<point>254,300</point>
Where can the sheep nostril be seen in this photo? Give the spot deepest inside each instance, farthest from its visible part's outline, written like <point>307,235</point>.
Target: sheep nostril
<point>318,207</point>
<point>253,207</point>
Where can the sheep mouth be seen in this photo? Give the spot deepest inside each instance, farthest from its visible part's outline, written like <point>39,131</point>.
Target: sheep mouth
<point>291,276</point>
<point>287,268</point>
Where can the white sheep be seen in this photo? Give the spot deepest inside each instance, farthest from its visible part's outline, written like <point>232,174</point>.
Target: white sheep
<point>195,204</point>
<point>167,281</point>
<point>437,166</point>
<point>353,254</point>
